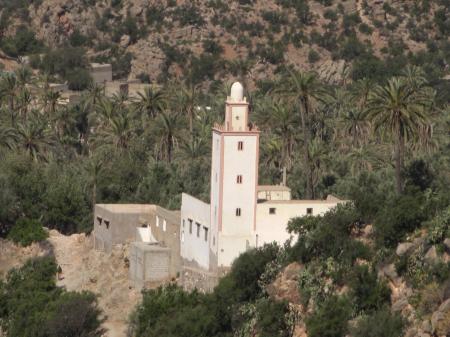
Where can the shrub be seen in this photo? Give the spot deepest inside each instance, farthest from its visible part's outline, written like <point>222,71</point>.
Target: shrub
<point>32,305</point>
<point>368,292</point>
<point>330,318</point>
<point>248,268</point>
<point>271,320</point>
<point>313,56</point>
<point>381,323</point>
<point>26,231</point>
<point>439,227</point>
<point>22,43</point>
<point>400,216</point>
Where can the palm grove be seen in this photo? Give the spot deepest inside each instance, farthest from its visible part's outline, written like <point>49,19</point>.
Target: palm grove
<point>383,144</point>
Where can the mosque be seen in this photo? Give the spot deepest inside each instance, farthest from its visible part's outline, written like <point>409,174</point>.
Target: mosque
<point>241,215</point>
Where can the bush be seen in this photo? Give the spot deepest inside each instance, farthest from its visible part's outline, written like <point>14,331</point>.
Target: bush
<point>400,216</point>
<point>369,294</point>
<point>22,43</point>
<point>313,56</point>
<point>271,318</point>
<point>26,231</point>
<point>382,323</point>
<point>32,305</point>
<point>330,318</point>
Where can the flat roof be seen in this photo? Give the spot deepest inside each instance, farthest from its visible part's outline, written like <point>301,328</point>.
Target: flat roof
<point>273,188</point>
<point>145,246</point>
<point>331,199</point>
<point>127,208</point>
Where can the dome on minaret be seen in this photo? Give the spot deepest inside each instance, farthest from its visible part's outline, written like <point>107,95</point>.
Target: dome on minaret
<point>237,92</point>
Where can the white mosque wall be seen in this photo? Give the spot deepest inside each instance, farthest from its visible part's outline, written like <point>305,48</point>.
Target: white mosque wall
<point>272,217</point>
<point>195,233</point>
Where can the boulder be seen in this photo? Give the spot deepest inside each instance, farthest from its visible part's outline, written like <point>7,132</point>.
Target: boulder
<point>125,41</point>
<point>431,256</point>
<point>390,273</point>
<point>426,326</point>
<point>400,305</point>
<point>447,244</point>
<point>440,319</point>
<point>404,248</point>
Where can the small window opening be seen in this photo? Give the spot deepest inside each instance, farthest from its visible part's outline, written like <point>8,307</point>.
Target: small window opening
<point>239,179</point>
<point>309,211</point>
<point>240,145</point>
<point>107,224</point>
<point>99,221</point>
<point>206,234</point>
<point>198,229</point>
<point>190,226</point>
<point>238,212</point>
<point>272,210</point>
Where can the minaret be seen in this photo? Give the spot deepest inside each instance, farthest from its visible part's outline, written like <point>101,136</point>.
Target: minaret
<point>234,179</point>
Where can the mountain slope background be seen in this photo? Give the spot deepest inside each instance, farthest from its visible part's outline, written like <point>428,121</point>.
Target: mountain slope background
<point>215,40</point>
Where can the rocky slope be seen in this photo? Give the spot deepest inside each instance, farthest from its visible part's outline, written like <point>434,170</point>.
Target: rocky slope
<point>84,269</point>
<point>162,36</point>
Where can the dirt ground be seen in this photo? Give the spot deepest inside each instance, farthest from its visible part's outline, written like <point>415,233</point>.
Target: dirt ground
<point>84,269</point>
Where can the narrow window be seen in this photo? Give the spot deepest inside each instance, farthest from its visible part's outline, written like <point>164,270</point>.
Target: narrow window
<point>309,211</point>
<point>190,226</point>
<point>240,145</point>
<point>206,233</point>
<point>184,222</point>
<point>99,221</point>
<point>272,210</point>
<point>164,225</point>
<point>239,179</point>
<point>107,224</point>
<point>238,212</point>
<point>198,229</point>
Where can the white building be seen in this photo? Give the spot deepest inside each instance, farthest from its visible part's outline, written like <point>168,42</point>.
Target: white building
<point>242,214</point>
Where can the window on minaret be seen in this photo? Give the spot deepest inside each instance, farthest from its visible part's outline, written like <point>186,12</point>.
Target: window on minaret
<point>198,229</point>
<point>238,212</point>
<point>240,146</point>
<point>206,233</point>
<point>190,226</point>
<point>239,179</point>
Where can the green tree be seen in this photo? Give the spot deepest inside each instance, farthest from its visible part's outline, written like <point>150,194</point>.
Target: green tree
<point>399,110</point>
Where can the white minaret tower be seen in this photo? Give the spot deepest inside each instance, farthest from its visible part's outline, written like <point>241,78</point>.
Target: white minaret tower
<point>234,179</point>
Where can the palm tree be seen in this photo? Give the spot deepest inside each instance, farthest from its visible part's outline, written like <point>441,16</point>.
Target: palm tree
<point>8,89</point>
<point>151,102</point>
<point>354,124</point>
<point>188,98</point>
<point>319,160</point>
<point>33,138</point>
<point>94,168</point>
<point>52,98</point>
<point>94,94</point>
<point>23,75</point>
<point>305,91</point>
<point>166,127</point>
<point>283,126</point>
<point>8,137</point>
<point>399,110</point>
<point>117,133</point>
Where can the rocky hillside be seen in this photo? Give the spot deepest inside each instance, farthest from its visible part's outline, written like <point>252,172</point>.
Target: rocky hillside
<point>83,269</point>
<point>246,38</point>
